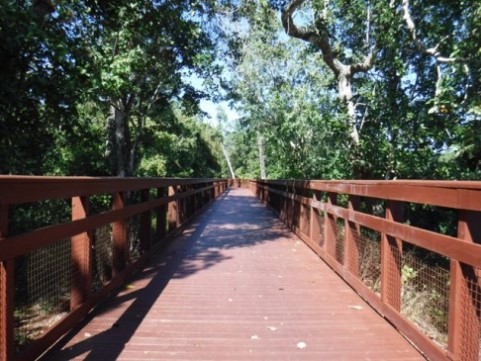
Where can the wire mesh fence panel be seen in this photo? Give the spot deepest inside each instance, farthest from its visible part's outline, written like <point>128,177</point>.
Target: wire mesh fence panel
<point>425,291</point>
<point>321,229</point>
<point>102,263</point>
<point>470,316</point>
<point>42,291</point>
<point>133,234</point>
<point>340,240</point>
<point>369,243</point>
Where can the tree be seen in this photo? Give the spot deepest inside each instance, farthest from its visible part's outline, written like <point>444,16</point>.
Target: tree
<point>141,53</point>
<point>287,106</point>
<point>343,57</point>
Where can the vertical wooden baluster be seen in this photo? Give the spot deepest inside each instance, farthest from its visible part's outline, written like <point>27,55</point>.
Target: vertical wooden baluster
<point>391,259</point>
<point>465,296</point>
<point>81,251</point>
<point>7,300</point>
<point>352,233</point>
<point>145,224</point>
<point>119,237</point>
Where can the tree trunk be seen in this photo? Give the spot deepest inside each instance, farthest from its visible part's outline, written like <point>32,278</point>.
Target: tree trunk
<point>345,94</point>
<point>119,142</point>
<point>262,156</point>
<point>227,159</point>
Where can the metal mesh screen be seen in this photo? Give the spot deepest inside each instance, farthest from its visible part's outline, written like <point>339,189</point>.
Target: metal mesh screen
<point>369,245</point>
<point>133,234</point>
<point>42,290</point>
<point>470,316</point>
<point>425,291</point>
<point>321,229</point>
<point>102,257</point>
<point>340,240</point>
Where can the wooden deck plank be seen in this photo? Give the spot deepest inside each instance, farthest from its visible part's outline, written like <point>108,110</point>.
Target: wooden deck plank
<point>236,286</point>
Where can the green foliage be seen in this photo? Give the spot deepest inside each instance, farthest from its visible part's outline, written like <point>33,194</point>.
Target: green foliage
<point>90,88</point>
<point>69,78</point>
<point>186,148</point>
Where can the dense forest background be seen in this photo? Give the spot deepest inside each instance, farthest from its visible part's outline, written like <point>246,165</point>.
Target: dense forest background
<point>324,89</point>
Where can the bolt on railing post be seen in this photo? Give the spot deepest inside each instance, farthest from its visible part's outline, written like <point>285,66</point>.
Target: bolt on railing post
<point>391,259</point>
<point>119,236</point>
<point>464,325</point>
<point>7,300</point>
<point>81,251</point>
<point>173,210</point>
<point>330,226</point>
<point>161,214</point>
<point>145,224</point>
<point>352,233</point>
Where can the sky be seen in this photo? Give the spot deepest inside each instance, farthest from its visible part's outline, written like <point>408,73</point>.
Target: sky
<point>211,109</point>
<point>208,106</point>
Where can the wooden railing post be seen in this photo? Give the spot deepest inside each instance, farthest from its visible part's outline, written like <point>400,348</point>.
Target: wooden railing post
<point>7,290</point>
<point>119,237</point>
<point>145,224</point>
<point>330,226</point>
<point>161,214</point>
<point>283,207</point>
<point>352,233</point>
<point>465,296</point>
<point>391,259</point>
<point>81,251</point>
<point>212,192</point>
<point>304,223</point>
<point>173,211</point>
<point>315,223</point>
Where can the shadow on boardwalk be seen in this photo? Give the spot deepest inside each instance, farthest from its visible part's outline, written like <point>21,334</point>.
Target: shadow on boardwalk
<point>236,286</point>
<point>235,220</point>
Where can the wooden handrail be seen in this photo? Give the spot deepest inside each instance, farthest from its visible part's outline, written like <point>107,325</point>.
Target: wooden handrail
<point>177,200</point>
<point>300,203</point>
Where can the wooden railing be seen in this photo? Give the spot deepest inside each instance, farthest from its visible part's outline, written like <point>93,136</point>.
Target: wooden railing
<point>422,275</point>
<point>52,276</point>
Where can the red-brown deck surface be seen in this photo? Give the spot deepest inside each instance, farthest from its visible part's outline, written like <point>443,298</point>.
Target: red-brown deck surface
<point>236,286</point>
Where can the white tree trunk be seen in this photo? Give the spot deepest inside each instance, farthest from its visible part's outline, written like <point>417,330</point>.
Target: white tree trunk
<point>345,94</point>
<point>227,159</point>
<point>262,155</point>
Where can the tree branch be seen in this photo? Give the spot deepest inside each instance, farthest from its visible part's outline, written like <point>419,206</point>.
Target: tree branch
<point>367,64</point>
<point>411,26</point>
<point>321,40</point>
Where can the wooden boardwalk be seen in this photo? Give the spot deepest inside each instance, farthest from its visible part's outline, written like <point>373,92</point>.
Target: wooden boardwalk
<point>236,286</point>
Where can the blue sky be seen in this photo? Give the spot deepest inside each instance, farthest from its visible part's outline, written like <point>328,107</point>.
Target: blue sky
<point>211,108</point>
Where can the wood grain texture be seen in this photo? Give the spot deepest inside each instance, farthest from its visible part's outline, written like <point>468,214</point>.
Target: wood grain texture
<point>237,285</point>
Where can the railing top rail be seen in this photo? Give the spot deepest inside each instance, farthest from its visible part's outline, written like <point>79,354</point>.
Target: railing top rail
<point>401,182</point>
<point>450,194</point>
<point>22,189</point>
